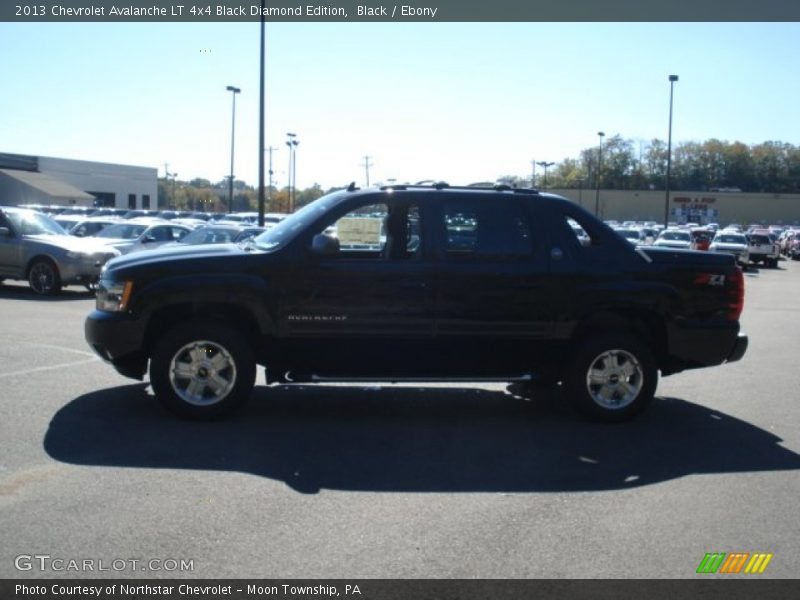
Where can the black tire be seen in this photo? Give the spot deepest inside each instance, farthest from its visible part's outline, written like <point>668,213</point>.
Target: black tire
<point>624,380</point>
<point>202,370</point>
<point>43,277</point>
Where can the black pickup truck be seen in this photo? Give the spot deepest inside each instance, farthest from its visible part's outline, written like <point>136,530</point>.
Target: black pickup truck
<point>420,283</point>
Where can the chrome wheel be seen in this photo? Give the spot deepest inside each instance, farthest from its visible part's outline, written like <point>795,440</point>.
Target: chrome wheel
<point>614,379</point>
<point>202,373</point>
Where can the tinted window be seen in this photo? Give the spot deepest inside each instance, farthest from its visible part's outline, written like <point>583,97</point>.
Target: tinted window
<point>477,230</point>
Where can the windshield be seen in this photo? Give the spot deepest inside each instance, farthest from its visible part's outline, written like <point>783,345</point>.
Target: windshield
<point>285,231</point>
<point>675,235</point>
<point>123,231</point>
<point>730,239</point>
<point>210,235</point>
<point>31,223</point>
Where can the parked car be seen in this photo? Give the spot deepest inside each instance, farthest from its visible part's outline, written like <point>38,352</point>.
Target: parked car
<point>218,234</point>
<point>140,234</point>
<point>92,225</point>
<point>731,242</point>
<point>674,238</point>
<point>496,286</point>
<point>634,236</point>
<point>136,213</point>
<point>763,249</point>
<point>35,248</point>
<point>701,238</point>
<point>67,222</point>
<point>792,245</point>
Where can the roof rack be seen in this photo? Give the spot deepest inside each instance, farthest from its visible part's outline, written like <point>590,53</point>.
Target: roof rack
<point>441,185</point>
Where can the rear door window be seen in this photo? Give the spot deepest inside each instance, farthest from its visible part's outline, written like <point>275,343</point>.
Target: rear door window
<point>482,231</point>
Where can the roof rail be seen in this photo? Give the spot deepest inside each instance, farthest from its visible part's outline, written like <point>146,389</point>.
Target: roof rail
<point>441,185</point>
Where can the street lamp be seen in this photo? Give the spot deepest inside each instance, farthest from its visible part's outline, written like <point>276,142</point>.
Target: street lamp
<point>672,80</point>
<point>234,91</point>
<point>545,164</point>
<point>601,135</point>
<point>262,120</point>
<point>533,174</point>
<point>292,143</point>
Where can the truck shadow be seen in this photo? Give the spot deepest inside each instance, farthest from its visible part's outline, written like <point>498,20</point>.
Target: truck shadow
<point>414,440</point>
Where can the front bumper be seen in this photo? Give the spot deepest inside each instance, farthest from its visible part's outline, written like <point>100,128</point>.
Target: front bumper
<point>118,338</point>
<point>85,269</point>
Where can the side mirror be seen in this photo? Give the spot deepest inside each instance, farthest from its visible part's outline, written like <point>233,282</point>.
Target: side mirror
<point>5,232</point>
<point>324,245</point>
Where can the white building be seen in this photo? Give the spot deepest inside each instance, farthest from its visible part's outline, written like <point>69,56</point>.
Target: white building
<point>46,180</point>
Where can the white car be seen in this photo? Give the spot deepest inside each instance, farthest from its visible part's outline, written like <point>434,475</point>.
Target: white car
<point>141,234</point>
<point>674,238</point>
<point>763,249</point>
<point>635,236</point>
<point>731,242</point>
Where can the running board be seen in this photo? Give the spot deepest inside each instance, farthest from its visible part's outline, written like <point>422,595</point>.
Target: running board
<point>514,378</point>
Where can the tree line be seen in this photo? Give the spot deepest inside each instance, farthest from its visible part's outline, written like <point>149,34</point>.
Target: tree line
<point>713,165</point>
<point>627,164</point>
<point>203,195</point>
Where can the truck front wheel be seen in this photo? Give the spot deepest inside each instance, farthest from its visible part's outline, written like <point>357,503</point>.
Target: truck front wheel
<point>202,370</point>
<point>611,377</point>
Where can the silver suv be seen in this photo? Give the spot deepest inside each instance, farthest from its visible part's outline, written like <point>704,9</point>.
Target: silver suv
<point>34,247</point>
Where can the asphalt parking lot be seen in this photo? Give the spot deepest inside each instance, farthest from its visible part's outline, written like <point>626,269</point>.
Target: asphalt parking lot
<point>400,482</point>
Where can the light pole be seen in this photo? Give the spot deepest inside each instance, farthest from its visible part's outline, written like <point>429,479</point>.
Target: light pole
<point>601,135</point>
<point>533,174</point>
<point>234,91</point>
<point>367,165</point>
<point>672,80</point>
<point>271,173</point>
<point>174,193</point>
<point>545,164</point>
<point>261,119</point>
<point>292,143</point>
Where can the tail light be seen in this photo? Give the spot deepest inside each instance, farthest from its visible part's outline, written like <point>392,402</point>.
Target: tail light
<point>736,289</point>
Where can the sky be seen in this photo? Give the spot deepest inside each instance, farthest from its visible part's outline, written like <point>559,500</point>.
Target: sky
<point>458,102</point>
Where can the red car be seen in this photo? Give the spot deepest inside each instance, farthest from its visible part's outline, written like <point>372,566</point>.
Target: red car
<point>701,238</point>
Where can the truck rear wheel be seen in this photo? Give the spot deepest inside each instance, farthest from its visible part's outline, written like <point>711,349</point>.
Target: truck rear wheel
<point>202,370</point>
<point>611,377</point>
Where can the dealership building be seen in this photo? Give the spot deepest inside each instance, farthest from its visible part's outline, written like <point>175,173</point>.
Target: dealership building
<point>723,207</point>
<point>60,181</point>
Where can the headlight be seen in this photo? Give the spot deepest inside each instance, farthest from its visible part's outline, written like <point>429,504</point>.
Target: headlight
<point>76,255</point>
<point>113,296</point>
